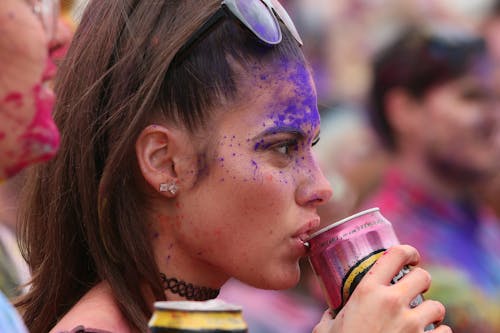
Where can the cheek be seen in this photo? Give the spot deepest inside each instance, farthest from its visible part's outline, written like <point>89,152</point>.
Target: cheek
<point>29,133</point>
<point>16,113</point>
<point>254,190</point>
<point>21,68</point>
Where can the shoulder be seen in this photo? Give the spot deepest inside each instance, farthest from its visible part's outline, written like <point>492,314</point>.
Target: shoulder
<point>96,312</point>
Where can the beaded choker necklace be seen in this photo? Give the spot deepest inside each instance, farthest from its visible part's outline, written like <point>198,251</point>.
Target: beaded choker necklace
<point>188,290</point>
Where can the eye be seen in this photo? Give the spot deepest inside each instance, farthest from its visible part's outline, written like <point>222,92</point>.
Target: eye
<point>286,147</point>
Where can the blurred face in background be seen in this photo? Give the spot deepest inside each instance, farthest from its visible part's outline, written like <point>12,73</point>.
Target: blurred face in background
<point>459,122</point>
<point>27,131</point>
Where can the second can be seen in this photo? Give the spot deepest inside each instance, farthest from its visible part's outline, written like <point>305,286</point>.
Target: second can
<point>214,316</point>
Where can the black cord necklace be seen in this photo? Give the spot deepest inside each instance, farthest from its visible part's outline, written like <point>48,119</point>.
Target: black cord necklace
<point>188,290</point>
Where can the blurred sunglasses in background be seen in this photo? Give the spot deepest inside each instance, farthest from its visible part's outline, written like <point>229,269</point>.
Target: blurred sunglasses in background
<point>48,13</point>
<point>259,16</point>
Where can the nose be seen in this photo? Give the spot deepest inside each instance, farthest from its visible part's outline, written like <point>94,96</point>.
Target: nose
<point>314,189</point>
<point>59,44</point>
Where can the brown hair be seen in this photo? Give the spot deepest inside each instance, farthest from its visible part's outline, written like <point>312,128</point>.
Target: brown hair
<point>417,61</point>
<point>83,215</point>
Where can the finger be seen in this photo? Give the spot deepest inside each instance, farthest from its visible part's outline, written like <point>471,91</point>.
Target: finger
<point>391,262</point>
<point>430,311</point>
<point>327,316</point>
<point>416,282</point>
<point>442,329</point>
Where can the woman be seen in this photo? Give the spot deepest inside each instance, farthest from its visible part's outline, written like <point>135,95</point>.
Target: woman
<point>27,131</point>
<point>28,39</point>
<point>186,158</point>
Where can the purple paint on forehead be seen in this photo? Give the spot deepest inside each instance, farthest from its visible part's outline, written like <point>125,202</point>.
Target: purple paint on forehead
<point>301,111</point>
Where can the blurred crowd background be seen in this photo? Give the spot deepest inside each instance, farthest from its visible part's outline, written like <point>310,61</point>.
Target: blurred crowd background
<point>341,40</point>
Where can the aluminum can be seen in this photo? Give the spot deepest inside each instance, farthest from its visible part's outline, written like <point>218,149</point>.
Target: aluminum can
<point>213,316</point>
<point>342,252</point>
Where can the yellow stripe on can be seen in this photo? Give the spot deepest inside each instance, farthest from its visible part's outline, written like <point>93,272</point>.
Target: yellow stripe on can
<point>355,274</point>
<point>193,316</point>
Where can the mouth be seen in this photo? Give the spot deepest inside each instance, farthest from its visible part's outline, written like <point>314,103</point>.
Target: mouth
<point>303,239</point>
<point>50,70</point>
<point>305,232</point>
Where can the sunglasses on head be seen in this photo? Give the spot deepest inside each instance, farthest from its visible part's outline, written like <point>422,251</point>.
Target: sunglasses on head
<point>259,16</point>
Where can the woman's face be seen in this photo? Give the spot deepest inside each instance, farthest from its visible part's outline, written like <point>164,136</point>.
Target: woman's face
<point>255,198</point>
<point>27,131</point>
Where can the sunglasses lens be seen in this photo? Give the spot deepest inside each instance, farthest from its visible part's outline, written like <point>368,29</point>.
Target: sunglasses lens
<point>258,18</point>
<point>287,20</point>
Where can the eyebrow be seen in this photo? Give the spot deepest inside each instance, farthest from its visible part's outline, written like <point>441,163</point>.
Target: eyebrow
<point>283,129</point>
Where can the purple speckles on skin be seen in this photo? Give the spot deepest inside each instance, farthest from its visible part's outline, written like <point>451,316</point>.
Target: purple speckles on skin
<point>259,145</point>
<point>255,167</point>
<point>302,112</point>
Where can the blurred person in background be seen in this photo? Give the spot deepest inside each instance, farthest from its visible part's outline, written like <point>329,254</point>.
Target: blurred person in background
<point>27,136</point>
<point>28,37</point>
<point>490,190</point>
<point>432,105</point>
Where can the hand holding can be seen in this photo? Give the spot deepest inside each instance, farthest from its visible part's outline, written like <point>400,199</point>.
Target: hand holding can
<point>343,252</point>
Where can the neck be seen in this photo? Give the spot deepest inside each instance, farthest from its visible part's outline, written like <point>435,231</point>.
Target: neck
<point>187,290</point>
<point>183,263</point>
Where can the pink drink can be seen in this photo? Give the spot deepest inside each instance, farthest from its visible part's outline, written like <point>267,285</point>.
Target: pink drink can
<point>342,252</point>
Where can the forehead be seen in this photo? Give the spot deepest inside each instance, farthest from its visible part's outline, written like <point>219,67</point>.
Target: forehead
<point>283,92</point>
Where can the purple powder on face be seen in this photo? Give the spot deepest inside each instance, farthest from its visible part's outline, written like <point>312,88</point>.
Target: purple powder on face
<point>302,110</point>
<point>297,110</point>
<point>260,144</point>
<point>255,167</point>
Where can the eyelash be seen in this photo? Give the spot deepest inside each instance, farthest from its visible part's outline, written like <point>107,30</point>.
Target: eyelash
<point>315,142</point>
<point>287,144</point>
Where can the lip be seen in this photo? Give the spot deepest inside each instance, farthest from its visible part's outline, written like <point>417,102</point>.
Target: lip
<point>50,70</point>
<point>306,230</point>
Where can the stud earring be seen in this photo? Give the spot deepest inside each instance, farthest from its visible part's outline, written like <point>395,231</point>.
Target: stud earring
<point>170,187</point>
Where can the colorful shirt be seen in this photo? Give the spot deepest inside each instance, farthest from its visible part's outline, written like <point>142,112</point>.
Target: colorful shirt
<point>459,245</point>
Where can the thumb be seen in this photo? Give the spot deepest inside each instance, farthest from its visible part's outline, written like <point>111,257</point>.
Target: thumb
<point>325,323</point>
<point>327,316</point>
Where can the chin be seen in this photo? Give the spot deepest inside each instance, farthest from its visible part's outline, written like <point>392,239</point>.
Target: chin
<point>285,279</point>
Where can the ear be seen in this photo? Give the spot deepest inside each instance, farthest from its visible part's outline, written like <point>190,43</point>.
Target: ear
<point>403,112</point>
<point>155,148</point>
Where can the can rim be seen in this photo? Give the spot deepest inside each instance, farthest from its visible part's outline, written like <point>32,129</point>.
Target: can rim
<point>197,306</point>
<point>344,220</point>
